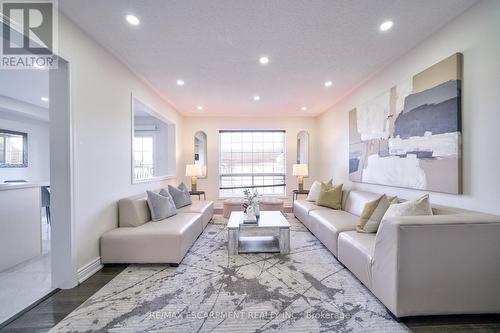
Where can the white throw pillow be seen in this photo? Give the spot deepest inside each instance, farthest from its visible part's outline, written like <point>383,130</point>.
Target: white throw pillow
<point>315,190</point>
<point>417,207</point>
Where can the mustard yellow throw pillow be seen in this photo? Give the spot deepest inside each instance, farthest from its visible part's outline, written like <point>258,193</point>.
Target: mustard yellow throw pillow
<point>315,189</point>
<point>372,214</point>
<point>330,196</point>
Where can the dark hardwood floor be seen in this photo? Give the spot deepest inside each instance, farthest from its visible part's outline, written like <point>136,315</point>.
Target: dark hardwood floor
<point>52,310</point>
<point>49,312</point>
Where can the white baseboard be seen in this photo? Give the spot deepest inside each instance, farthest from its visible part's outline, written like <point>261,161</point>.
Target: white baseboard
<point>89,269</point>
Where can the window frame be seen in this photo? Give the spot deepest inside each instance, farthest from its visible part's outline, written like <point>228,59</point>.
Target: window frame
<point>143,135</point>
<point>25,149</point>
<point>279,195</point>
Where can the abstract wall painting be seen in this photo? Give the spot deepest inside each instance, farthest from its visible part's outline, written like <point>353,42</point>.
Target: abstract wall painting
<point>410,136</point>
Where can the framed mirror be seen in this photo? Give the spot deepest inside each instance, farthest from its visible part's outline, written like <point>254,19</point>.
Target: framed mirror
<point>303,147</point>
<point>200,151</point>
<point>153,144</point>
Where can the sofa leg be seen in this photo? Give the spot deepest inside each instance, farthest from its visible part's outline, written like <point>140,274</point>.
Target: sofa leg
<point>174,265</point>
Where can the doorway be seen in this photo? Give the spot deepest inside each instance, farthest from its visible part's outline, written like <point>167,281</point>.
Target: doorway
<point>36,187</point>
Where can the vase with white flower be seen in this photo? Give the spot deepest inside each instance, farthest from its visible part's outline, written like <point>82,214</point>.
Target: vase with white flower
<point>251,204</point>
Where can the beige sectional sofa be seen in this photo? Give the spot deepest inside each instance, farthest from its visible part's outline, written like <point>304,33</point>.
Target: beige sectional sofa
<point>139,240</point>
<point>448,263</point>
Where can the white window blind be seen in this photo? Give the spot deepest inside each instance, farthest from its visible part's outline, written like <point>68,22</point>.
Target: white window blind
<point>252,159</point>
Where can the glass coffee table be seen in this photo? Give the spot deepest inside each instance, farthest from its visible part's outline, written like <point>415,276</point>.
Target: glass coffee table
<point>270,234</point>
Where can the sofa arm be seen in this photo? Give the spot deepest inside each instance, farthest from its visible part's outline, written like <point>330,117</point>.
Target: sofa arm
<point>442,264</point>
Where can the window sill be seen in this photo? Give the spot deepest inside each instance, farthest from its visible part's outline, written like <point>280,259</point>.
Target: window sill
<point>152,180</point>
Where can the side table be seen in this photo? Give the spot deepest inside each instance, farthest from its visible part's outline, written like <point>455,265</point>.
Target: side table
<point>199,194</point>
<point>296,193</point>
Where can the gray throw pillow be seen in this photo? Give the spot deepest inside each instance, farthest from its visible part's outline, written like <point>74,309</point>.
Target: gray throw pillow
<point>180,195</point>
<point>161,207</point>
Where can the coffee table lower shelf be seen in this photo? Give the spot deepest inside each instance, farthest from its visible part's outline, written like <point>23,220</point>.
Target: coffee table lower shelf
<point>258,244</point>
<point>271,234</point>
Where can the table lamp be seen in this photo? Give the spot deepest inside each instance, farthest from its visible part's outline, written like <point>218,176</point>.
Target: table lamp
<point>194,171</point>
<point>300,171</point>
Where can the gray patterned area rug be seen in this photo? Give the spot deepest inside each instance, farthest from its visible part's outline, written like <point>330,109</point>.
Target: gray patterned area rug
<point>305,291</point>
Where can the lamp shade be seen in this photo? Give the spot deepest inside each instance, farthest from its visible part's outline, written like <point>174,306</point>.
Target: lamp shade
<point>300,170</point>
<point>193,170</point>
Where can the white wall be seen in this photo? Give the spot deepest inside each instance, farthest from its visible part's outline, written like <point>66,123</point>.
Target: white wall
<point>212,125</point>
<point>476,34</point>
<point>38,148</point>
<point>100,89</point>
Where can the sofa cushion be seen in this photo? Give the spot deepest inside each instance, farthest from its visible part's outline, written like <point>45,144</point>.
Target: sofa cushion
<point>330,196</point>
<point>327,224</point>
<point>356,253</point>
<point>180,195</point>
<point>165,241</point>
<point>161,206</point>
<point>302,208</point>
<point>356,200</point>
<point>205,208</point>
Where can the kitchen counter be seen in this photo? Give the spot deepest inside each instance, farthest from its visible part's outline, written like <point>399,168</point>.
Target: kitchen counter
<point>15,186</point>
<point>20,222</point>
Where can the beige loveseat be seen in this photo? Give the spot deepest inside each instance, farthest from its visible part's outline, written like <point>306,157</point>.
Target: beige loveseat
<point>139,240</point>
<point>448,263</point>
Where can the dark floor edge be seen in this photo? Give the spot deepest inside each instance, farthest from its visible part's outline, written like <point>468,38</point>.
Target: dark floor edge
<point>28,308</point>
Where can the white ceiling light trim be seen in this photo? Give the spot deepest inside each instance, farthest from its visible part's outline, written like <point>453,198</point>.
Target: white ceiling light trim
<point>256,98</point>
<point>132,19</point>
<point>328,83</point>
<point>386,25</point>
<point>264,60</point>
<point>180,82</point>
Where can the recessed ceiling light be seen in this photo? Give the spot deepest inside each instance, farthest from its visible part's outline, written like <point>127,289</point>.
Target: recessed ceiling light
<point>45,99</point>
<point>263,60</point>
<point>386,25</point>
<point>256,98</point>
<point>328,83</point>
<point>132,19</point>
<point>304,108</point>
<point>200,107</point>
<point>180,82</point>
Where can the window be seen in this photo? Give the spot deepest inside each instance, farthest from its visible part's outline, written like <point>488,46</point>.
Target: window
<point>252,159</point>
<point>13,149</point>
<point>143,157</point>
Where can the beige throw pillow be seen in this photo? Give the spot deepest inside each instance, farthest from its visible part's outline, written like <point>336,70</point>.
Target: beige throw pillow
<point>315,189</point>
<point>372,214</point>
<point>330,196</point>
<point>417,207</point>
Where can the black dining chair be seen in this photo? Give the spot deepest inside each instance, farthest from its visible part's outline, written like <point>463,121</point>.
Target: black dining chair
<point>46,201</point>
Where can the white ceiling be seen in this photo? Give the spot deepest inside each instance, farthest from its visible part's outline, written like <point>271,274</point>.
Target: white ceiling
<point>25,85</point>
<point>214,46</point>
